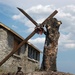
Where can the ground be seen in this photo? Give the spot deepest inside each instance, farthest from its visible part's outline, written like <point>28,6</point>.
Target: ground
<point>44,73</point>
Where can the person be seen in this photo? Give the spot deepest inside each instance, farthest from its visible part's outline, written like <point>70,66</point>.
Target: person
<point>19,72</point>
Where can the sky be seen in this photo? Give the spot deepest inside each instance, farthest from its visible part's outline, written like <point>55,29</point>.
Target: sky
<point>39,10</point>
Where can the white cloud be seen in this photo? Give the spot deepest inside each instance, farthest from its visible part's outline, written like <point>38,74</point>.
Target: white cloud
<point>66,14</point>
<point>40,12</point>
<point>16,17</point>
<point>14,26</point>
<point>71,45</point>
<point>38,42</point>
<point>13,3</point>
<point>67,29</point>
<point>40,9</point>
<point>66,42</point>
<point>65,38</point>
<point>29,24</point>
<point>29,30</point>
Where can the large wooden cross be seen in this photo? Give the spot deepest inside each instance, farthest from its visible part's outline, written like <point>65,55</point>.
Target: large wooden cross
<point>36,30</point>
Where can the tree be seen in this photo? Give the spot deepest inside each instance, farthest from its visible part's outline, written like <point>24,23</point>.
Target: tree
<point>51,45</point>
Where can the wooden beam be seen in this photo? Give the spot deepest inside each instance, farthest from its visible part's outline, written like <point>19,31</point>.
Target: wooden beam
<point>34,22</point>
<point>51,16</point>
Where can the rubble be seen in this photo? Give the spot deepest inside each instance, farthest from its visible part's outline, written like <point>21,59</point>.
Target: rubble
<point>41,73</point>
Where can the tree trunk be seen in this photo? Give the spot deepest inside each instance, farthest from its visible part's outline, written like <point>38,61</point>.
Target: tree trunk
<point>51,45</point>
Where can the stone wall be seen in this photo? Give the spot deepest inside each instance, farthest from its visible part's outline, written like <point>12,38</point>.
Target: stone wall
<point>6,45</point>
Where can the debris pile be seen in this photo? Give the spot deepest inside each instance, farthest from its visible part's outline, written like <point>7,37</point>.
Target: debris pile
<point>41,73</point>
